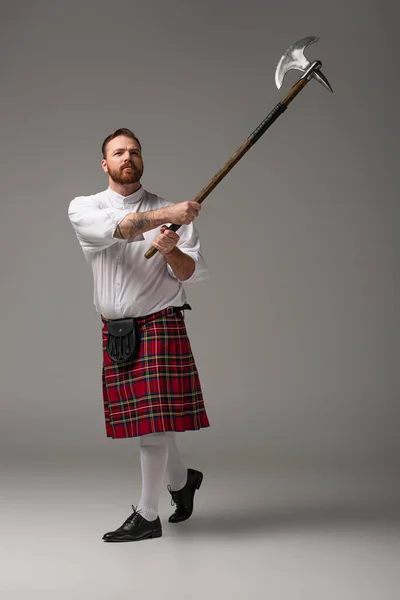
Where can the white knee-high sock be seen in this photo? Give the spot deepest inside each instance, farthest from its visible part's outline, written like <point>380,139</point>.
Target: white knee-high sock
<point>153,460</point>
<point>176,470</point>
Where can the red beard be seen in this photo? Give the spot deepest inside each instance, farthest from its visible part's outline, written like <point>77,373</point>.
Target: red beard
<point>125,176</point>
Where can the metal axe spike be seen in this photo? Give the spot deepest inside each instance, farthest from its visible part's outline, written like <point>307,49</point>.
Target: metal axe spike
<point>293,58</point>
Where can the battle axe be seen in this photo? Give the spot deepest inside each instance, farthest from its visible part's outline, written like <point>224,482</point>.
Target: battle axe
<point>293,58</point>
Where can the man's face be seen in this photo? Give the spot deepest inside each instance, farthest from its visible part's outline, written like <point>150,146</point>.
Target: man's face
<point>123,161</point>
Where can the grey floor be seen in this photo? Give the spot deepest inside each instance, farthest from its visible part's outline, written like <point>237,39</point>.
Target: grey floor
<point>279,533</point>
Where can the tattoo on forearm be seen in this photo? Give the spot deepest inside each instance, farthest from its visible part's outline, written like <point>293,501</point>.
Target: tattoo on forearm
<point>118,233</point>
<point>138,225</point>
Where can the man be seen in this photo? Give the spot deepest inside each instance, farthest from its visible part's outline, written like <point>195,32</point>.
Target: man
<point>156,392</point>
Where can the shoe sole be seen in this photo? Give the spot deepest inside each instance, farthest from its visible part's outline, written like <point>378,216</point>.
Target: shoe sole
<point>155,534</point>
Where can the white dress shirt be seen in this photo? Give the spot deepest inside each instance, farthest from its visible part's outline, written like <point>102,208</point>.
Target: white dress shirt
<point>126,284</point>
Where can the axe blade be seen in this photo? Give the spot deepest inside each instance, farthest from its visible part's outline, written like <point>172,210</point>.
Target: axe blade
<point>294,58</point>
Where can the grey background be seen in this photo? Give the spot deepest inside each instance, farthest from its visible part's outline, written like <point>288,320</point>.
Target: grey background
<point>296,332</point>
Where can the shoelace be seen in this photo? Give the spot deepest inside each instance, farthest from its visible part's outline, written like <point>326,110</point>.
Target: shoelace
<point>133,517</point>
<point>174,496</point>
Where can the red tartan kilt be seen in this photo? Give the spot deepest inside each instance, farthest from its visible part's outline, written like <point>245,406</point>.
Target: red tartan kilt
<point>158,391</point>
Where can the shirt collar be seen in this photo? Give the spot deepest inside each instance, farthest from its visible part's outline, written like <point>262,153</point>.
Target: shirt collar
<point>131,199</point>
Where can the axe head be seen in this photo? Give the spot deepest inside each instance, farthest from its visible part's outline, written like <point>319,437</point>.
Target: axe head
<point>294,58</point>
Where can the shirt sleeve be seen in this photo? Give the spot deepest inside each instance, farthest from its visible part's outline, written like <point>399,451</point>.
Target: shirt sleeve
<point>189,243</point>
<point>94,226</point>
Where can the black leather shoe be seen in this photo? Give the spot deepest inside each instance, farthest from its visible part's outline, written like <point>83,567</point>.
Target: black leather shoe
<point>184,498</point>
<point>134,529</point>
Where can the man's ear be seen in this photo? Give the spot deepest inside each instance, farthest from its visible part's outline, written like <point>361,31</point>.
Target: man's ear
<point>104,165</point>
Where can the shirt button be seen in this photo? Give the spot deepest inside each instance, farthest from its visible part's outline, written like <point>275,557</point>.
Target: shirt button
<point>118,284</point>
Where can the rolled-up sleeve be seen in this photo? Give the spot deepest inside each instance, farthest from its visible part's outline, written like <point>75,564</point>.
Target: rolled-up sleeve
<point>94,226</point>
<point>189,243</point>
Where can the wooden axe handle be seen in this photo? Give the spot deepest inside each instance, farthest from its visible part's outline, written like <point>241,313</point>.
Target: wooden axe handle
<point>245,147</point>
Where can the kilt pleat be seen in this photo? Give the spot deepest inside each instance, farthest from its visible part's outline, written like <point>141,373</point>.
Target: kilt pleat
<point>158,391</point>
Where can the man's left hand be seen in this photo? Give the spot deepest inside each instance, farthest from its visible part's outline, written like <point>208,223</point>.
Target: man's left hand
<point>166,241</point>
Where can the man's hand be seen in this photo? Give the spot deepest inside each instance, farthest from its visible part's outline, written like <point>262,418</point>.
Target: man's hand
<point>166,241</point>
<point>183,213</point>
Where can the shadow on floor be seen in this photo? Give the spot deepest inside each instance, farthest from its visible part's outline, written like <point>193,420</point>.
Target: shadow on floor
<point>242,522</point>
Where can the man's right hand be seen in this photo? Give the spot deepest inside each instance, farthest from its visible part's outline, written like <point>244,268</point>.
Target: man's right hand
<point>183,213</point>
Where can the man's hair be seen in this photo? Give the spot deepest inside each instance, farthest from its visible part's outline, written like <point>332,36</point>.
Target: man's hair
<point>118,132</point>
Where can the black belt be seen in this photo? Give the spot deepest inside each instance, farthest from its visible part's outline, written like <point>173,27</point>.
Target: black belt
<point>176,309</point>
